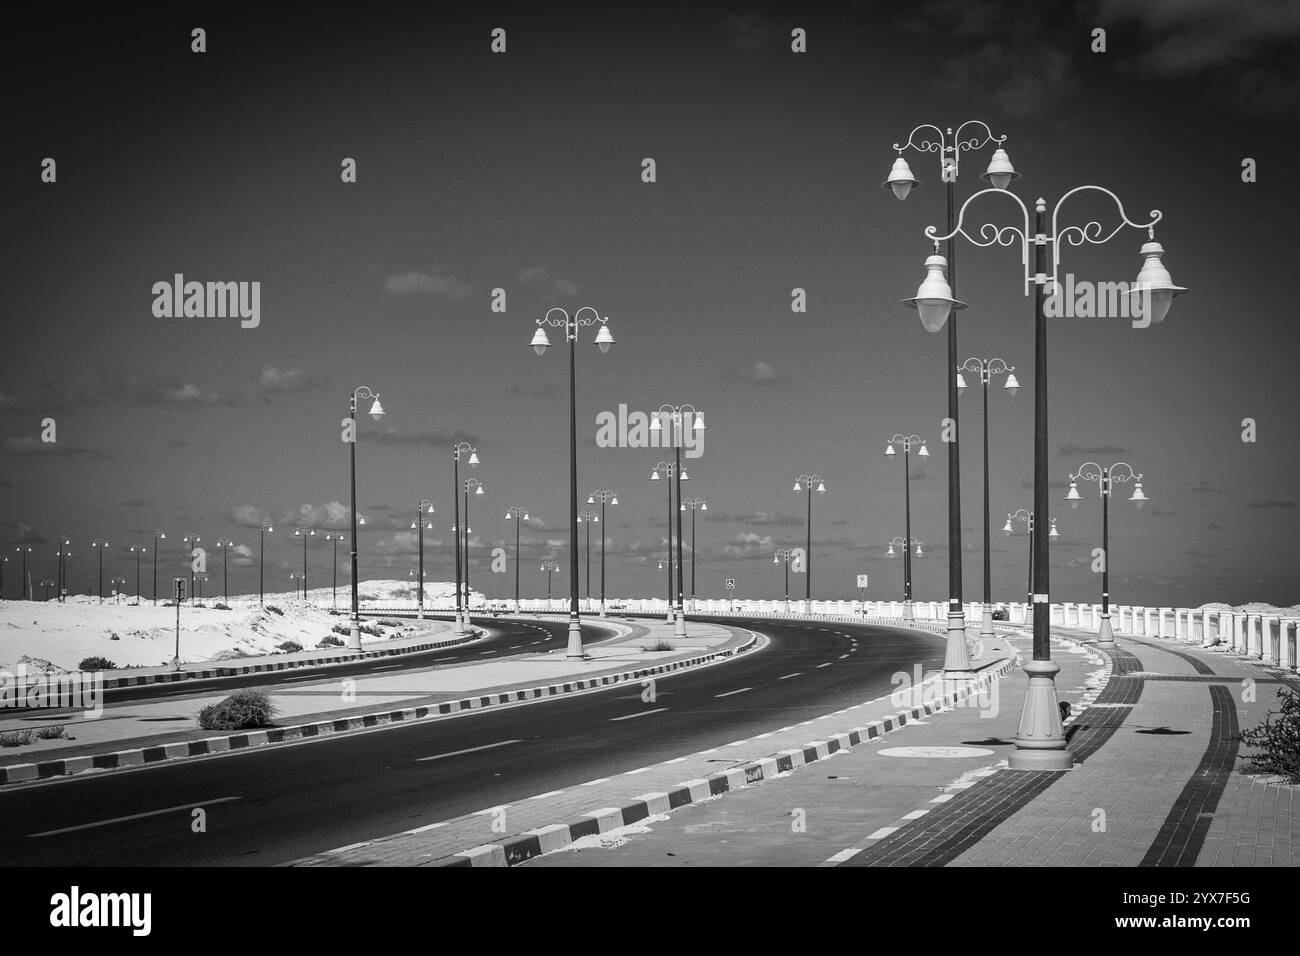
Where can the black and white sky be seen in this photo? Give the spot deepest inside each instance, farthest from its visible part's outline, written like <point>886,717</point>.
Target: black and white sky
<point>522,171</point>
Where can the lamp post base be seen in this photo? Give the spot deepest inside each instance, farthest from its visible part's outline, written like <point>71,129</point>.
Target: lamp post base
<point>679,625</point>
<point>907,611</point>
<point>354,638</point>
<point>986,623</point>
<point>1040,742</point>
<point>1105,637</point>
<point>575,639</point>
<point>459,627</point>
<point>956,660</point>
<point>670,617</point>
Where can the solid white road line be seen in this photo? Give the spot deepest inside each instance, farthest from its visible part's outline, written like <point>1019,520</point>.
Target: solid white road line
<point>644,713</point>
<point>470,750</point>
<point>730,692</point>
<point>134,816</point>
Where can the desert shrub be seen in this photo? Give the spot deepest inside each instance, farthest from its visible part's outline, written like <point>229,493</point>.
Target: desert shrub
<point>274,610</point>
<point>289,647</point>
<point>113,636</point>
<point>660,646</point>
<point>220,607</point>
<point>96,663</point>
<point>329,640</point>
<point>57,732</point>
<point>15,738</point>
<point>386,622</point>
<point>242,710</point>
<point>1278,738</point>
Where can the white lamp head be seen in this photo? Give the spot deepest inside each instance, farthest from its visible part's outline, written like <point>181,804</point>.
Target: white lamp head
<point>478,490</point>
<point>614,500</point>
<point>890,552</point>
<point>1073,496</point>
<point>604,338</point>
<point>961,383</point>
<point>924,452</point>
<point>1154,286</point>
<point>821,487</point>
<point>1000,172</point>
<point>1052,532</point>
<point>376,410</point>
<point>919,552</point>
<point>933,300</point>
<point>1138,498</point>
<point>1007,527</point>
<point>798,487</point>
<point>540,342</point>
<point>889,451</point>
<point>1012,385</point>
<point>900,179</point>
<point>699,421</point>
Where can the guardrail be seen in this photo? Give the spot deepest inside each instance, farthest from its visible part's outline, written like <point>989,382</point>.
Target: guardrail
<point>1271,638</point>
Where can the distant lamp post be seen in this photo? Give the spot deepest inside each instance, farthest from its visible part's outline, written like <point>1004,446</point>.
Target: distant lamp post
<point>477,487</point>
<point>1026,518</point>
<point>99,544</point>
<point>784,556</point>
<point>1105,477</point>
<point>335,538</point>
<point>907,545</point>
<point>674,473</point>
<point>419,525</point>
<point>588,518</point>
<point>157,536</point>
<point>23,590</point>
<point>138,550</point>
<point>376,412</point>
<point>806,483</point>
<point>63,554</point>
<point>3,561</point>
<point>225,544</point>
<point>985,369</point>
<point>263,528</point>
<point>46,584</point>
<point>190,541</point>
<point>907,441</point>
<point>694,504</point>
<point>678,416</point>
<point>296,576</point>
<point>550,567</point>
<point>516,515</point>
<point>604,497</point>
<point>113,585</point>
<point>304,532</point>
<point>471,458</point>
<point>540,343</point>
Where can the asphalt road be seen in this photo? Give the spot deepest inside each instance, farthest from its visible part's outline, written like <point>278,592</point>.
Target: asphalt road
<point>275,804</point>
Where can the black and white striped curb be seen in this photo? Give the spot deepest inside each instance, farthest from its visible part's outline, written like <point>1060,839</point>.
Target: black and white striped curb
<point>22,773</point>
<point>535,842</point>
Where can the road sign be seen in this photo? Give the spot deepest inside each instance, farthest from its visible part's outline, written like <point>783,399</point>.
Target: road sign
<point>180,589</point>
<point>731,584</point>
<point>862,580</point>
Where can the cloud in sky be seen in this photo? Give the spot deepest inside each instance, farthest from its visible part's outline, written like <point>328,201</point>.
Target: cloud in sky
<point>1271,503</point>
<point>1075,450</point>
<point>756,517</point>
<point>137,503</point>
<point>398,436</point>
<point>542,281</point>
<point>19,532</point>
<point>437,283</point>
<point>759,373</point>
<point>748,30</point>
<point>293,379</point>
<point>28,445</point>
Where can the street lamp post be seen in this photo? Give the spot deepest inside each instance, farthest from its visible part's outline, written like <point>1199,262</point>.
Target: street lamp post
<point>604,339</point>
<point>138,551</point>
<point>334,593</point>
<point>350,423</point>
<point>113,583</point>
<point>516,515</point>
<point>805,483</point>
<point>677,415</point>
<point>1040,741</point>
<point>985,369</point>
<point>63,554</point>
<point>674,473</point>
<point>3,561</point>
<point>1027,518</point>
<point>549,567</point>
<point>783,556</point>
<point>420,525</point>
<point>22,582</point>
<point>458,449</point>
<point>190,540</point>
<point>1105,477</point>
<point>264,528</point>
<point>907,544</point>
<point>46,584</point>
<point>588,518</point>
<point>304,532</point>
<point>1000,172</point>
<point>604,496</point>
<point>157,536</point>
<point>225,545</point>
<point>907,441</point>
<point>478,490</point>
<point>99,544</point>
<point>701,505</point>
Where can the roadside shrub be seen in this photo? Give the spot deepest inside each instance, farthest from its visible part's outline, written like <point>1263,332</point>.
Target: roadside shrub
<point>96,663</point>
<point>289,647</point>
<point>113,636</point>
<point>57,732</point>
<point>341,629</point>
<point>1278,739</point>
<point>660,646</point>
<point>15,738</point>
<point>390,623</point>
<point>274,610</point>
<point>242,710</point>
<point>220,607</point>
<point>329,640</point>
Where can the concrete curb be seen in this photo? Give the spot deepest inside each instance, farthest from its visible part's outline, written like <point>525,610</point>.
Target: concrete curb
<point>26,772</point>
<point>535,842</point>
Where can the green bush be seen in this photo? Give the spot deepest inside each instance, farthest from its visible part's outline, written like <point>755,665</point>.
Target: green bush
<point>1278,740</point>
<point>660,646</point>
<point>96,663</point>
<point>57,732</point>
<point>15,738</point>
<point>274,610</point>
<point>389,623</point>
<point>288,647</point>
<point>329,640</point>
<point>220,607</point>
<point>242,710</point>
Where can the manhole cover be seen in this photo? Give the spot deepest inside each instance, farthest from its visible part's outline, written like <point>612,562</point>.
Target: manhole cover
<point>937,752</point>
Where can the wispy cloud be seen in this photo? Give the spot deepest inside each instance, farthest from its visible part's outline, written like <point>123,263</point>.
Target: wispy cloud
<point>34,446</point>
<point>759,373</point>
<point>1075,450</point>
<point>292,379</point>
<point>437,282</point>
<point>398,436</point>
<point>1272,503</point>
<point>546,284</point>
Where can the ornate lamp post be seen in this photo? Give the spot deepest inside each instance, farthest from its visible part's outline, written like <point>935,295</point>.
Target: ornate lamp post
<point>907,544</point>
<point>225,544</point>
<point>805,483</point>
<point>477,485</point>
<point>63,554</point>
<point>334,596</point>
<point>458,449</point>
<point>421,524</point>
<point>949,146</point>
<point>604,339</point>
<point>604,496</point>
<point>985,369</point>
<point>516,515</point>
<point>549,567</point>
<point>701,505</point>
<point>296,576</point>
<point>783,556</point>
<point>190,540</point>
<point>350,424</point>
<point>23,590</point>
<point>675,474</point>
<point>1027,518</point>
<point>1040,743</point>
<point>46,584</point>
<point>264,528</point>
<point>304,532</point>
<point>588,518</point>
<point>138,550</point>
<point>1091,471</point>
<point>678,415</point>
<point>3,561</point>
<point>157,536</point>
<point>907,441</point>
<point>99,544</point>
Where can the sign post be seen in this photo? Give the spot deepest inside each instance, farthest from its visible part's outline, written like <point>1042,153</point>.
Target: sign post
<point>730,585</point>
<point>180,596</point>
<point>862,589</point>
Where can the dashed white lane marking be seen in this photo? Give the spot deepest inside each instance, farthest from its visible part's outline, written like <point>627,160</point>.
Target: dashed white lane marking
<point>915,814</point>
<point>631,773</point>
<point>644,713</point>
<point>515,647</point>
<point>592,783</point>
<point>842,656</point>
<point>676,760</point>
<point>788,676</point>
<point>468,750</point>
<point>882,833</point>
<point>424,829</point>
<point>942,798</point>
<point>827,664</point>
<point>135,816</point>
<point>543,796</point>
<point>731,692</point>
<point>388,667</point>
<point>485,652</point>
<point>843,855</point>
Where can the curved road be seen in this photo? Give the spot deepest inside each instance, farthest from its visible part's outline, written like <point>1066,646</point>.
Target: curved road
<point>275,804</point>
